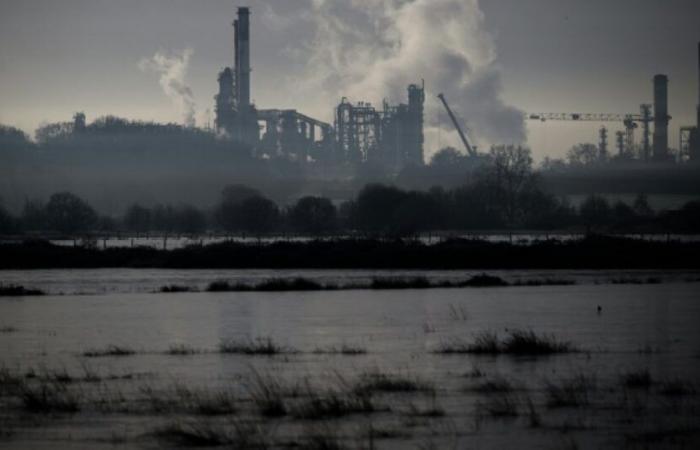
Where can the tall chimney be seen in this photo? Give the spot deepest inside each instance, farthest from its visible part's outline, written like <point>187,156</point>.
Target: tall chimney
<point>660,117</point>
<point>697,122</point>
<point>242,61</point>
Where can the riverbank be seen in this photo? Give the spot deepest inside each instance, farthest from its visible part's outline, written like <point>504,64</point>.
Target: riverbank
<point>593,252</point>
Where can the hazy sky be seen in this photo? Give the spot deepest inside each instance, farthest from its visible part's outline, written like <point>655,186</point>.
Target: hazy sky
<point>492,58</point>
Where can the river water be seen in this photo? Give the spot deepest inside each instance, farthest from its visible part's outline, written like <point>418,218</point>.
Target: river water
<point>640,327</point>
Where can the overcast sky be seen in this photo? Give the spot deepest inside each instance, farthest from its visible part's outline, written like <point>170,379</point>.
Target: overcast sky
<point>492,58</point>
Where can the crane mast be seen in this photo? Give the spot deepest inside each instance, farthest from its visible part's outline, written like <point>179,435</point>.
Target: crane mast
<point>462,136</point>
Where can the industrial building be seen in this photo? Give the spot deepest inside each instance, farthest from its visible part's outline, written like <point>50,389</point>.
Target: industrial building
<point>391,137</point>
<point>690,135</point>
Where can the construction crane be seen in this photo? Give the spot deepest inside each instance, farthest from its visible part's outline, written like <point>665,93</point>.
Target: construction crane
<point>629,120</point>
<point>470,150</point>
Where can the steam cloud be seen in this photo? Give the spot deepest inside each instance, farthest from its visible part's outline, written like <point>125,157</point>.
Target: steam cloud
<point>372,49</point>
<point>172,70</point>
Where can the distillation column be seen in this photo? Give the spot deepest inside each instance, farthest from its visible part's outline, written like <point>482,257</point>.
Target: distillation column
<point>661,117</point>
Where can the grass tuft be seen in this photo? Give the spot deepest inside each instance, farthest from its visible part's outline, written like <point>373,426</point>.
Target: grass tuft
<point>640,379</point>
<point>381,382</point>
<point>48,397</point>
<point>332,404</point>
<point>400,283</point>
<point>258,346</point>
<point>484,280</point>
<point>502,405</point>
<point>518,342</point>
<point>676,388</point>
<point>272,285</point>
<point>268,395</point>
<point>573,392</point>
<point>16,290</point>
<point>110,350</point>
<point>175,288</point>
<point>199,433</point>
<point>494,385</point>
<point>181,350</point>
<point>345,349</point>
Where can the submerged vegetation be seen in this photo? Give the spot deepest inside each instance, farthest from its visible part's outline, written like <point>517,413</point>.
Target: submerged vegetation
<point>259,346</point>
<point>13,290</point>
<point>110,350</point>
<point>516,342</point>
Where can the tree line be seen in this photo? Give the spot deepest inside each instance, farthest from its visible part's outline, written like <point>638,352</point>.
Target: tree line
<point>505,195</point>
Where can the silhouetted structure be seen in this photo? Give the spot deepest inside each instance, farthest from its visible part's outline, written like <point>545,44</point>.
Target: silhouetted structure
<point>391,138</point>
<point>661,118</point>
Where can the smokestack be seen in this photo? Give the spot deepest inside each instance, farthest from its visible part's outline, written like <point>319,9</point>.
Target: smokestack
<point>697,122</point>
<point>660,117</point>
<point>242,60</point>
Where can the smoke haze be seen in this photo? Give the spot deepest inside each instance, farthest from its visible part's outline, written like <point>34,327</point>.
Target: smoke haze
<point>372,49</point>
<point>172,70</point>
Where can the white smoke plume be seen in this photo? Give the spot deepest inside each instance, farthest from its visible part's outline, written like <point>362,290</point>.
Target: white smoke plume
<point>172,70</point>
<point>372,49</point>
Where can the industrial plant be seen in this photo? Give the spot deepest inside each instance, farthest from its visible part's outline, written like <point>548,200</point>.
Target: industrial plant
<point>391,137</point>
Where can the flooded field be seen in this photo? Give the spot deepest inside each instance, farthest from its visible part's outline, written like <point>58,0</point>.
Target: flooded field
<point>493,368</point>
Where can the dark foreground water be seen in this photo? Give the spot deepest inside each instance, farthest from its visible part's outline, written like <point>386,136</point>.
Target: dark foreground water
<point>456,400</point>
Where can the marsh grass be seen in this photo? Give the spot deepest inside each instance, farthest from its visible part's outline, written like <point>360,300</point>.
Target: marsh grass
<point>475,372</point>
<point>176,288</point>
<point>517,342</point>
<point>199,433</point>
<point>110,350</point>
<point>648,280</point>
<point>639,379</point>
<point>344,349</point>
<point>181,398</point>
<point>494,385</point>
<point>323,437</point>
<point>271,285</point>
<point>401,283</point>
<point>458,313</point>
<point>545,282</point>
<point>10,382</point>
<point>259,346</point>
<point>182,350</point>
<point>46,397</point>
<point>332,403</point>
<point>676,387</point>
<point>570,393</point>
<point>501,405</point>
<point>382,382</point>
<point>534,417</point>
<point>433,409</point>
<point>16,290</point>
<point>268,395</point>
